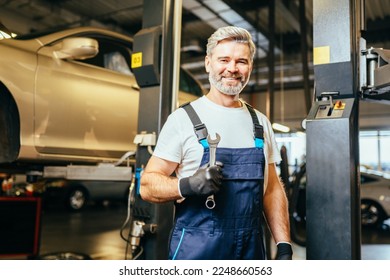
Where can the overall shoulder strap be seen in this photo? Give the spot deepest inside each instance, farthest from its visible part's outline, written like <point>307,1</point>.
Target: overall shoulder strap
<point>258,130</point>
<point>199,127</point>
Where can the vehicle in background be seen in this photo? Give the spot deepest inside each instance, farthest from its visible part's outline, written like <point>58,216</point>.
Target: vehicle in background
<point>76,195</point>
<point>70,97</point>
<point>375,197</point>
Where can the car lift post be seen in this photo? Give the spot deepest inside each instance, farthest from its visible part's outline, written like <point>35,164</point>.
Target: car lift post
<point>156,69</point>
<point>333,226</point>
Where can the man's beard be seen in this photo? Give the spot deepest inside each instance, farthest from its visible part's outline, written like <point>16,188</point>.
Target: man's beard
<point>216,81</point>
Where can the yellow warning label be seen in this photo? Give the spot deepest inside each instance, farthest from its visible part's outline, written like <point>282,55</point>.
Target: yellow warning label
<point>136,60</point>
<point>321,55</point>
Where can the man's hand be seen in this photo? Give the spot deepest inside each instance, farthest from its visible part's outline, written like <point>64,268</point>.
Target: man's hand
<point>205,181</point>
<point>284,251</point>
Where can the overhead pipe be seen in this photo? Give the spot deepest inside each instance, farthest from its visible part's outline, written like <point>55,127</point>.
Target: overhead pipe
<point>305,65</point>
<point>271,62</point>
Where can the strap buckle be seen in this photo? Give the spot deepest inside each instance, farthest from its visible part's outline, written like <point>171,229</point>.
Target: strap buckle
<point>258,131</point>
<point>201,131</point>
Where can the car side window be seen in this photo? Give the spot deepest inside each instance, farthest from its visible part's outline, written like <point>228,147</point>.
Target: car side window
<point>115,61</point>
<point>112,56</point>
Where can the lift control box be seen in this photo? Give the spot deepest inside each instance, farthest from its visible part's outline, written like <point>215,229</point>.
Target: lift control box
<point>336,109</point>
<point>332,193</point>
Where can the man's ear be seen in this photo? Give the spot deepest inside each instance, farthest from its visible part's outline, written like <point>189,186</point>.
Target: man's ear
<point>207,63</point>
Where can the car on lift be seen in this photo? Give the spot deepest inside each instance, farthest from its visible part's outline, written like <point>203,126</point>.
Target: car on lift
<point>375,197</point>
<point>70,97</point>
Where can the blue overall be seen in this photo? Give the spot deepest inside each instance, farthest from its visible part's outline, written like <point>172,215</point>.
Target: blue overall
<point>233,229</point>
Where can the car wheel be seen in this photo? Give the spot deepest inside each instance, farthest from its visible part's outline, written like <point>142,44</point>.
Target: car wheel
<point>372,214</point>
<point>76,198</point>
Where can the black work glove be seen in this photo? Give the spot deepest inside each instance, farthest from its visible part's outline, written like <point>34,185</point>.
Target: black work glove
<point>206,181</point>
<point>284,251</point>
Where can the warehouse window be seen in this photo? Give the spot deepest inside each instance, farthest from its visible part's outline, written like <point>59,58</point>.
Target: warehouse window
<point>374,149</point>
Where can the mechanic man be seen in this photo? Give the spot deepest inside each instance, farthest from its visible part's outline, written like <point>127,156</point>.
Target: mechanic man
<point>243,182</point>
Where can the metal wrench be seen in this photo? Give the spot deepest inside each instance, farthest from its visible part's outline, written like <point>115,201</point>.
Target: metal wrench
<point>213,143</point>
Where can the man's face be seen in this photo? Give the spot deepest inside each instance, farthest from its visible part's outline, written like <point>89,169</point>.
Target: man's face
<point>229,67</point>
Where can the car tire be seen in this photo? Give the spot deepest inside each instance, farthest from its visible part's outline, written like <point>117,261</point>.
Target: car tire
<point>76,198</point>
<point>372,214</point>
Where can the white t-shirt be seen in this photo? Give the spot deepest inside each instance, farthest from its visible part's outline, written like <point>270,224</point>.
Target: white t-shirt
<point>177,141</point>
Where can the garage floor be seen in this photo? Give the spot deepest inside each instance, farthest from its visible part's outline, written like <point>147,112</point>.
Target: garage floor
<point>95,232</point>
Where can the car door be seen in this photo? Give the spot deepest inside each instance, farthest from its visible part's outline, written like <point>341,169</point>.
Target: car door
<point>82,107</point>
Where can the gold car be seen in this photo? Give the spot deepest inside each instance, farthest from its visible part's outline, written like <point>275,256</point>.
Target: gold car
<point>70,97</point>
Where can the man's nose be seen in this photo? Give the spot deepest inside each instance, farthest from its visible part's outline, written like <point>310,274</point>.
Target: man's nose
<point>232,66</point>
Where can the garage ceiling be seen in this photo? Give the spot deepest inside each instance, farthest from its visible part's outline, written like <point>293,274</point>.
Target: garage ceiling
<point>200,19</point>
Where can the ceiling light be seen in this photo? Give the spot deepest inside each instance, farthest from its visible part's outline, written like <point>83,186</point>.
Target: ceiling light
<point>193,65</point>
<point>216,5</point>
<point>204,13</point>
<point>191,4</point>
<point>246,25</point>
<point>231,16</point>
<point>280,127</point>
<point>5,33</point>
<point>217,23</point>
